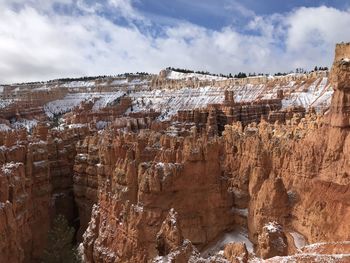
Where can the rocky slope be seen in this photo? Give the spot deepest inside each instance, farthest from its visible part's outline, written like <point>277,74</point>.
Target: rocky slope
<point>287,184</point>
<point>181,168</point>
<point>36,184</point>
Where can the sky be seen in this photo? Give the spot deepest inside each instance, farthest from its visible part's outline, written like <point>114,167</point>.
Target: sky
<point>43,39</point>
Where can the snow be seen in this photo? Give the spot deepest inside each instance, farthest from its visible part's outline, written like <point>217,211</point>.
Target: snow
<point>168,169</point>
<point>66,104</point>
<point>93,224</point>
<point>161,259</point>
<point>82,157</point>
<point>119,82</point>
<point>73,100</point>
<point>309,258</point>
<point>164,259</point>
<point>238,235</point>
<point>273,227</point>
<point>106,99</point>
<point>138,81</point>
<point>8,167</point>
<point>5,103</point>
<point>299,240</point>
<point>313,247</point>
<point>79,84</point>
<point>24,123</point>
<point>172,131</point>
<point>43,88</point>
<point>241,212</point>
<point>4,127</point>
<point>168,102</point>
<point>80,252</point>
<point>137,208</point>
<point>173,215</point>
<point>77,125</point>
<point>160,165</point>
<point>173,256</point>
<point>179,75</point>
<point>318,95</point>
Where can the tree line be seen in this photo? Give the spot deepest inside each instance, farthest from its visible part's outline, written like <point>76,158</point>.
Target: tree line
<point>245,75</point>
<point>87,78</point>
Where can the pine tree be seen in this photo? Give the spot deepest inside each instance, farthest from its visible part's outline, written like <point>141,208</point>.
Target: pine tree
<point>60,243</point>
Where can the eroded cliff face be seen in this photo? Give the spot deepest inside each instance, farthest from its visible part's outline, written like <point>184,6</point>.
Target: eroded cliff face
<point>36,184</point>
<point>281,182</point>
<point>277,174</point>
<point>224,182</point>
<point>151,173</point>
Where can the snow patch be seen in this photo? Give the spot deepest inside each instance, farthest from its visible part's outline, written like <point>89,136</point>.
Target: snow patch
<point>137,208</point>
<point>173,215</point>
<point>273,227</point>
<point>179,75</point>
<point>241,212</point>
<point>77,125</point>
<point>238,235</point>
<point>299,240</point>
<point>9,167</point>
<point>27,124</point>
<point>107,99</point>
<point>5,103</point>
<point>79,84</point>
<point>4,127</point>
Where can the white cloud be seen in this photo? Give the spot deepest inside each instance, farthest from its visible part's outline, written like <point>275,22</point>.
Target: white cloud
<point>38,4</point>
<point>313,32</point>
<point>236,6</point>
<point>315,26</point>
<point>125,8</point>
<point>39,44</point>
<point>92,8</point>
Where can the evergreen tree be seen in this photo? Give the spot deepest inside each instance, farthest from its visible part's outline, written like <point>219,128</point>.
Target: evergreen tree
<point>60,243</point>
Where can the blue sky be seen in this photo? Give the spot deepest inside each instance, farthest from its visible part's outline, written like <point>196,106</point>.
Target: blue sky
<point>215,14</point>
<point>42,39</point>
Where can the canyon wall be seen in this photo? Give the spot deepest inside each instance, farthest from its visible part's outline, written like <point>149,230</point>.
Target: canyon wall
<point>291,179</point>
<point>36,184</point>
<point>163,80</point>
<point>174,170</point>
<point>278,174</point>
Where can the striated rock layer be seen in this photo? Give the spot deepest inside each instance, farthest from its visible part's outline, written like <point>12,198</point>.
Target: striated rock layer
<point>226,181</point>
<point>36,184</point>
<point>292,179</point>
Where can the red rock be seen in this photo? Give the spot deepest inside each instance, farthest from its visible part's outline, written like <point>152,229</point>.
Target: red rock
<point>236,252</point>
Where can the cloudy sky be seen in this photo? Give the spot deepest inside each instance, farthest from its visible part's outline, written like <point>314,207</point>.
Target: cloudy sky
<point>46,39</point>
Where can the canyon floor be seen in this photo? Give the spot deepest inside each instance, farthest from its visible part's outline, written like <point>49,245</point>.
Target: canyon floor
<point>179,167</point>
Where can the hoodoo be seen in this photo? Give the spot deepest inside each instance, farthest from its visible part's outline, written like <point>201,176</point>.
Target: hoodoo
<point>340,75</point>
<point>180,167</point>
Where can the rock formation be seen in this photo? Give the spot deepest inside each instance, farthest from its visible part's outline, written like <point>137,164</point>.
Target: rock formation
<point>156,175</point>
<point>36,184</point>
<point>272,241</point>
<point>236,252</point>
